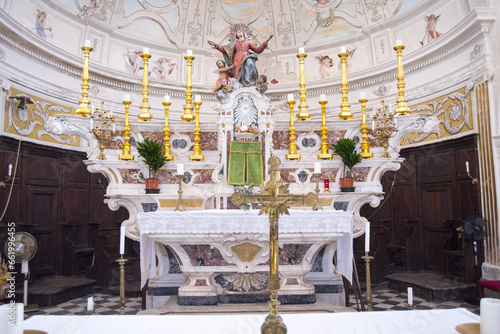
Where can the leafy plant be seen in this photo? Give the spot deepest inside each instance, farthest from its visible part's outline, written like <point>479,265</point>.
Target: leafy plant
<point>345,148</point>
<point>152,154</point>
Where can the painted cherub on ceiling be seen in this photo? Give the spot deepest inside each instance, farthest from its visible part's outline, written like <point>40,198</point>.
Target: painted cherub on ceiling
<point>40,28</point>
<point>430,29</point>
<point>325,62</point>
<point>348,60</point>
<point>88,11</point>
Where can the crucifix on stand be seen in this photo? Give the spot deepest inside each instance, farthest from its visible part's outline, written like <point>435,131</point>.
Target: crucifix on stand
<point>275,199</point>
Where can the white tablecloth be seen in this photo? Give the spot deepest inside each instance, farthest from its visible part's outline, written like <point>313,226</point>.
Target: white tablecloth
<point>382,322</point>
<point>240,221</point>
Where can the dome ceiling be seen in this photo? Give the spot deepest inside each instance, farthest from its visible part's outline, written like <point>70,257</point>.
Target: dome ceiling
<point>192,23</point>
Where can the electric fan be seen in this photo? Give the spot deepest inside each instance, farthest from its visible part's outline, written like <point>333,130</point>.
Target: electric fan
<point>25,248</point>
<point>474,228</point>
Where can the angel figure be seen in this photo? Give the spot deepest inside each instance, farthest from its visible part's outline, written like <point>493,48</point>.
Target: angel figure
<point>40,24</point>
<point>324,63</point>
<point>88,11</point>
<point>135,59</point>
<point>348,60</point>
<point>224,74</point>
<point>430,29</point>
<point>165,67</point>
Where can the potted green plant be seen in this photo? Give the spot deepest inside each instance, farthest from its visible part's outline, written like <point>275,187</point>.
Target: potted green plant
<point>345,148</point>
<point>152,154</point>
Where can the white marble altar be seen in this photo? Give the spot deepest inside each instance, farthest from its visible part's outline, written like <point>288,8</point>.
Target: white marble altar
<point>224,253</point>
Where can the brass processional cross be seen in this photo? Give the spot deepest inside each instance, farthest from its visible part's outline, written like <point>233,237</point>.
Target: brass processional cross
<point>275,199</point>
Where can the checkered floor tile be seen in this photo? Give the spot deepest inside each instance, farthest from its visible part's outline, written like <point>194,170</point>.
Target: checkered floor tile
<point>383,300</point>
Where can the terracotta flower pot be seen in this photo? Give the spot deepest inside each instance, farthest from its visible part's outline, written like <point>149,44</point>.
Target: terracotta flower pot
<point>152,183</point>
<point>347,184</point>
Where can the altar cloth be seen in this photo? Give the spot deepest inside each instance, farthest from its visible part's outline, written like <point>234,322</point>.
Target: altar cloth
<point>211,222</point>
<point>379,322</point>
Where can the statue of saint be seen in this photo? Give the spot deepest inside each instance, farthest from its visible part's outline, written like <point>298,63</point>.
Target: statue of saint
<point>241,55</point>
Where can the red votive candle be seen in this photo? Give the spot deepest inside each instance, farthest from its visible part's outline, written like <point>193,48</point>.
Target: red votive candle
<point>327,184</point>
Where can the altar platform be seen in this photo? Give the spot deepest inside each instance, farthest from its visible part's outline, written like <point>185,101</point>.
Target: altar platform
<point>420,321</point>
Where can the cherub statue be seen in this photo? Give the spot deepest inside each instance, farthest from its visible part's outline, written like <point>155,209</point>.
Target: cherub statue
<point>224,74</point>
<point>261,85</point>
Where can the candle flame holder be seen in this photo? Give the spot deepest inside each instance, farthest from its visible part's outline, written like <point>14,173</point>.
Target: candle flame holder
<point>303,112</point>
<point>84,101</point>
<point>121,261</point>
<point>180,179</point>
<point>292,147</point>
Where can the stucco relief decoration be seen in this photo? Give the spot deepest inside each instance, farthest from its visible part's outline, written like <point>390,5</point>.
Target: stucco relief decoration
<point>451,113</point>
<point>31,119</point>
<point>284,27</point>
<point>195,28</point>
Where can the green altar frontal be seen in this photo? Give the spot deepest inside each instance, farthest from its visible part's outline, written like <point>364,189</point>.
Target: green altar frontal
<point>245,163</point>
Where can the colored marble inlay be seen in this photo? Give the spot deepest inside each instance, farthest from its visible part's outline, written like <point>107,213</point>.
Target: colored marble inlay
<point>360,173</point>
<point>242,283</point>
<point>131,176</point>
<point>292,254</point>
<point>200,282</point>
<point>292,281</point>
<point>204,255</point>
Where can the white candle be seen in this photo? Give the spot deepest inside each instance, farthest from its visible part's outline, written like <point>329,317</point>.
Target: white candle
<point>362,96</point>
<point>399,42</point>
<point>90,304</point>
<point>180,169</point>
<point>189,52</point>
<point>466,167</point>
<point>93,109</point>
<point>91,123</point>
<point>86,43</point>
<point>126,97</point>
<point>122,240</point>
<point>290,97</point>
<point>410,296</point>
<point>317,167</point>
<point>111,113</point>
<point>166,98</point>
<point>343,49</point>
<point>373,125</point>
<point>114,127</point>
<point>302,50</point>
<point>197,98</point>
<point>390,107</point>
<point>490,321</point>
<point>145,51</point>
<point>322,97</point>
<point>10,170</point>
<point>367,237</point>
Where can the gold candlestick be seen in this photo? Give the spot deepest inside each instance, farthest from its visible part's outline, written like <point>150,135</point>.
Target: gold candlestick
<point>145,115</point>
<point>384,125</point>
<point>121,261</point>
<point>369,296</point>
<point>345,112</point>
<point>365,145</point>
<point>180,179</point>
<point>84,102</point>
<point>275,199</point>
<point>324,155</point>
<point>126,155</point>
<point>401,108</point>
<point>188,107</point>
<point>292,147</point>
<point>303,113</point>
<point>166,135</point>
<point>101,131</point>
<point>197,156</point>
<point>316,205</point>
